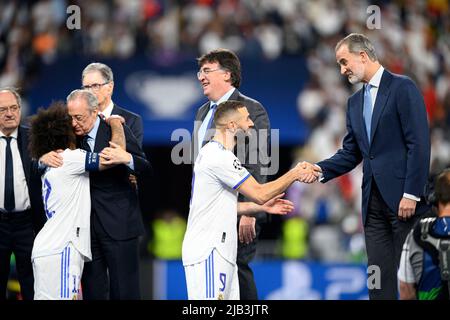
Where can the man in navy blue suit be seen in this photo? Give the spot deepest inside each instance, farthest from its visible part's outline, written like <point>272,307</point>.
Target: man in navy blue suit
<point>387,129</point>
<point>99,79</point>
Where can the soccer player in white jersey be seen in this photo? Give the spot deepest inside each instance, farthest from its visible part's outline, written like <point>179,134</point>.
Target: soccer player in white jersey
<point>63,244</point>
<point>210,243</point>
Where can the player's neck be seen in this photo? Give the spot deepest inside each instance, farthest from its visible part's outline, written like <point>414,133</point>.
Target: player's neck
<point>225,139</point>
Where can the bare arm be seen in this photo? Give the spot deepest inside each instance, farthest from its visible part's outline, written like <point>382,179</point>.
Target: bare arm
<point>407,291</point>
<point>116,153</point>
<point>261,193</point>
<point>273,206</point>
<point>117,132</point>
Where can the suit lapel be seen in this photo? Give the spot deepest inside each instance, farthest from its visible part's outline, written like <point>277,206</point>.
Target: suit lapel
<point>380,102</point>
<point>202,112</point>
<point>22,143</point>
<point>116,110</point>
<point>235,95</point>
<point>102,135</point>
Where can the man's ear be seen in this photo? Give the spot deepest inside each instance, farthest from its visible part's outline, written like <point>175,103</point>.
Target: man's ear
<point>111,87</point>
<point>227,75</point>
<point>364,56</point>
<point>231,126</point>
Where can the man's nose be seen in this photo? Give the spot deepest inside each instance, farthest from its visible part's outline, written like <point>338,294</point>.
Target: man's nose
<point>343,70</point>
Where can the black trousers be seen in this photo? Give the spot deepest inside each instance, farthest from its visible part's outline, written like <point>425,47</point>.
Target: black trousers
<point>245,254</point>
<point>117,260</point>
<point>385,234</point>
<point>17,236</point>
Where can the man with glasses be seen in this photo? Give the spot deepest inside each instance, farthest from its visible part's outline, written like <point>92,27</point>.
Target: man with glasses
<point>220,77</point>
<point>116,221</point>
<point>98,78</point>
<point>21,209</point>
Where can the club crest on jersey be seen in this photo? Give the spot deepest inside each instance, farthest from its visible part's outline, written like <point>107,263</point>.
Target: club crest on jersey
<point>237,165</point>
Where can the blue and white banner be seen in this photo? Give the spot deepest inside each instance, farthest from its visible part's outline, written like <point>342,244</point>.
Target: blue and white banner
<point>167,96</point>
<point>278,280</point>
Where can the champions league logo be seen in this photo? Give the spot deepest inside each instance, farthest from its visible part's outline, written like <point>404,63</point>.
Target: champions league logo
<point>237,165</point>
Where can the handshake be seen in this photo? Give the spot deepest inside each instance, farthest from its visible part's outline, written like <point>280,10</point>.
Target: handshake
<point>307,172</point>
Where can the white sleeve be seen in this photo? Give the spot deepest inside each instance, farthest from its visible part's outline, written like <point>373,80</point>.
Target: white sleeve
<point>78,161</point>
<point>229,171</point>
<point>405,271</point>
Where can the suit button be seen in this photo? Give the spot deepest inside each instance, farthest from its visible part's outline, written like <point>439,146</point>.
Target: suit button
<point>372,157</point>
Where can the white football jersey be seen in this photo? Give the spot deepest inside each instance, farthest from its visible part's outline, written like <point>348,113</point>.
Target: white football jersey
<point>67,204</point>
<point>213,209</point>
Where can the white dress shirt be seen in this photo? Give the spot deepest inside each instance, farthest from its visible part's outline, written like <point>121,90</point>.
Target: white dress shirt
<point>107,112</point>
<point>21,195</point>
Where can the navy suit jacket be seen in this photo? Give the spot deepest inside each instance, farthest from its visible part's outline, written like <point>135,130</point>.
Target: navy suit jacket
<point>132,120</point>
<point>33,178</point>
<point>398,157</point>
<point>113,198</point>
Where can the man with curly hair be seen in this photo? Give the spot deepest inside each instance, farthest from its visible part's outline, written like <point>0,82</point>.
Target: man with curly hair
<point>64,243</point>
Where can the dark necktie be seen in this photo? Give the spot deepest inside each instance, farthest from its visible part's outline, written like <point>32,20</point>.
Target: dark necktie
<point>102,116</point>
<point>84,144</point>
<point>206,138</point>
<point>10,202</point>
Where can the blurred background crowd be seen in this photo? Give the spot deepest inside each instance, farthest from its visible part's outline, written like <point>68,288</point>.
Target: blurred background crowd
<point>414,40</point>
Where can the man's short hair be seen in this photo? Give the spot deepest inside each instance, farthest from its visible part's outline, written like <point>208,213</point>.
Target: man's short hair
<point>88,96</point>
<point>102,68</point>
<point>51,129</point>
<point>15,92</point>
<point>356,43</point>
<point>442,187</point>
<point>227,60</point>
<point>225,109</point>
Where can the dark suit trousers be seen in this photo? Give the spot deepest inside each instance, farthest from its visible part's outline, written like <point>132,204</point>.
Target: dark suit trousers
<point>17,236</point>
<point>117,259</point>
<point>385,235</point>
<point>245,254</point>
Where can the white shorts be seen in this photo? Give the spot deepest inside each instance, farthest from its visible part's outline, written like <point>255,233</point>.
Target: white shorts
<point>213,279</point>
<point>57,276</point>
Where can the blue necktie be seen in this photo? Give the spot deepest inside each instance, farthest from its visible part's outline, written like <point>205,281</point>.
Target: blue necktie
<point>367,111</point>
<point>213,108</point>
<point>10,202</point>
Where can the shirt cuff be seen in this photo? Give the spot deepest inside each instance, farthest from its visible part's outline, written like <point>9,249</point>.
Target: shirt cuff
<point>411,197</point>
<point>320,174</point>
<point>131,164</point>
<point>41,165</point>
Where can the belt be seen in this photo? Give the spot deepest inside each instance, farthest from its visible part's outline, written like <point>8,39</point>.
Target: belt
<point>7,216</point>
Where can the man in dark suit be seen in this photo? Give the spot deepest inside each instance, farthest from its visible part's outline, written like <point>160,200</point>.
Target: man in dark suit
<point>387,129</point>
<point>116,221</point>
<point>21,207</point>
<point>220,77</point>
<point>99,79</point>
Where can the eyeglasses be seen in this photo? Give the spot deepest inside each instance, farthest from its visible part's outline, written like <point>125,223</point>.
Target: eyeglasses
<point>13,109</point>
<point>78,118</point>
<point>206,71</point>
<point>94,86</point>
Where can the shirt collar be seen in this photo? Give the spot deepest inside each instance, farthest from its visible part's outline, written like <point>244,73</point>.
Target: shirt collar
<point>13,134</point>
<point>376,79</point>
<point>108,110</point>
<point>93,133</point>
<point>225,97</point>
